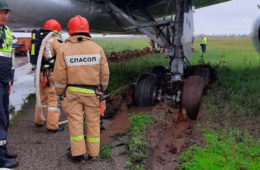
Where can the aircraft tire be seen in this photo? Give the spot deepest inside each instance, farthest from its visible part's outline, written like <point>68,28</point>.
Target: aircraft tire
<point>145,91</point>
<point>192,93</point>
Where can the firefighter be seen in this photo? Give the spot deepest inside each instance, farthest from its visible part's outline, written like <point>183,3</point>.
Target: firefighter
<point>81,68</point>
<point>48,95</point>
<point>6,77</point>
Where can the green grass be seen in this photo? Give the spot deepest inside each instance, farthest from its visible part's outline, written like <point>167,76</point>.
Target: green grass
<point>231,100</point>
<point>224,150</point>
<point>238,66</point>
<point>120,44</point>
<point>105,153</point>
<point>137,144</point>
<point>124,73</point>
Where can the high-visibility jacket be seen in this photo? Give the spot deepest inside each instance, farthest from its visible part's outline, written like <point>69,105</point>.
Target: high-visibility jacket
<point>6,74</point>
<point>80,62</point>
<point>204,40</point>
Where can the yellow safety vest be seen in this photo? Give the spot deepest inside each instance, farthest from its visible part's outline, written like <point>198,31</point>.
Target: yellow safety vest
<point>8,41</point>
<point>204,40</point>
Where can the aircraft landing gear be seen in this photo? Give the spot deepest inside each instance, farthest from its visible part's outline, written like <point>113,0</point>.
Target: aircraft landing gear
<point>175,35</point>
<point>151,88</point>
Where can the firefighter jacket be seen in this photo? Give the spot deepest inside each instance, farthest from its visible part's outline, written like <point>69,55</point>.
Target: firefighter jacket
<point>51,50</point>
<point>6,42</point>
<point>80,62</point>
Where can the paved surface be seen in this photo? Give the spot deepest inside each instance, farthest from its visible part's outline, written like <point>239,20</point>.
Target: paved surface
<point>37,149</point>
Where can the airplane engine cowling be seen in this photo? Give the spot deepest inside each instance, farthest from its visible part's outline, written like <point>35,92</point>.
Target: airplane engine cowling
<point>256,34</point>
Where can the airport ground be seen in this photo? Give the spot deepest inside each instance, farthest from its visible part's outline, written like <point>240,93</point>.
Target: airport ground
<point>226,134</point>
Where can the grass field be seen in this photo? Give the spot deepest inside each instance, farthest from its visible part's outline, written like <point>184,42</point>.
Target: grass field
<point>120,44</point>
<point>232,103</point>
<point>230,150</point>
<point>238,65</point>
<point>238,87</point>
<point>233,99</point>
<point>124,73</point>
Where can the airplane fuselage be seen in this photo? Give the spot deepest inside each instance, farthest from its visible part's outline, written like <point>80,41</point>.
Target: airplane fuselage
<point>30,14</point>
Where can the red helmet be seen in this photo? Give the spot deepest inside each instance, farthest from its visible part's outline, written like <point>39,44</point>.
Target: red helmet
<point>52,25</point>
<point>78,24</point>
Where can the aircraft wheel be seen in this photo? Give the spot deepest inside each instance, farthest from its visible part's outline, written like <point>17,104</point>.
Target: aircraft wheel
<point>192,93</point>
<point>145,91</point>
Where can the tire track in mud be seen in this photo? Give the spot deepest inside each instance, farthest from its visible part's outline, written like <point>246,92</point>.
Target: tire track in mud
<point>37,149</point>
<point>169,136</point>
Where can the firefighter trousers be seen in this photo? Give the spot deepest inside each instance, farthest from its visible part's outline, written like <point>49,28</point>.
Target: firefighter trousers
<point>80,107</point>
<point>49,103</point>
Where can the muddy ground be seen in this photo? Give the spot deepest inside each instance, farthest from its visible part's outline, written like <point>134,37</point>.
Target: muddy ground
<point>170,135</point>
<point>38,149</point>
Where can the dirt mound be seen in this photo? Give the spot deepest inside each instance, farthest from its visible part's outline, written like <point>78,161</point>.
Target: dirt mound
<point>169,136</point>
<point>126,54</point>
<point>113,104</point>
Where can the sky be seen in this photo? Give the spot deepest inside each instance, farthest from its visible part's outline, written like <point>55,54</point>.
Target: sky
<point>234,17</point>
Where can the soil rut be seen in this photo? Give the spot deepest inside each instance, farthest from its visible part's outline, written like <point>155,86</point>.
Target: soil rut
<point>169,136</point>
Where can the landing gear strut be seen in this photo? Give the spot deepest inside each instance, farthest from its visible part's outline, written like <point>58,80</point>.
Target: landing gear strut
<point>175,35</point>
